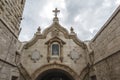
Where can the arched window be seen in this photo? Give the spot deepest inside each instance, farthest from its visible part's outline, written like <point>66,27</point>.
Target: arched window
<point>55,49</point>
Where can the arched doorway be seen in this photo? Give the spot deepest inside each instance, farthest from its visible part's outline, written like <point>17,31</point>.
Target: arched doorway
<point>54,74</point>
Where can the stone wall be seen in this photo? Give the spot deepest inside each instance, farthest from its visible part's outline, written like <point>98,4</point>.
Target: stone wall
<point>7,52</point>
<point>7,71</point>
<point>7,44</point>
<point>109,68</point>
<point>10,15</point>
<point>106,46</point>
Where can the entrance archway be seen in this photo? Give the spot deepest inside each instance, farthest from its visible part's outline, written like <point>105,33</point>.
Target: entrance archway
<point>55,68</point>
<point>54,74</point>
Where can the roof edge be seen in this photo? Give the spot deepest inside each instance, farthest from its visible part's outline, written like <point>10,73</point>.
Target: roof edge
<point>106,23</point>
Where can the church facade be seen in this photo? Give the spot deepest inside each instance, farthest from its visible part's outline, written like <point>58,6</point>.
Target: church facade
<point>55,53</point>
<point>56,50</point>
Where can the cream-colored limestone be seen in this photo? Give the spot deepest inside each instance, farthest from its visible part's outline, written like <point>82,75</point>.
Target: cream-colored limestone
<point>40,46</point>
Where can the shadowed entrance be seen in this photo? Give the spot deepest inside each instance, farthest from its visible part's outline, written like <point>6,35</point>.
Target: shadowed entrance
<point>54,74</point>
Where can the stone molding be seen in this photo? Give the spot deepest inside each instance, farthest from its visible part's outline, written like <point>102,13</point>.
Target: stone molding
<point>55,65</point>
<point>84,72</point>
<point>49,42</point>
<point>49,29</point>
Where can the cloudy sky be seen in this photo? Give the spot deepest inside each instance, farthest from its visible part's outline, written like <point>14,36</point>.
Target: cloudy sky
<point>85,16</point>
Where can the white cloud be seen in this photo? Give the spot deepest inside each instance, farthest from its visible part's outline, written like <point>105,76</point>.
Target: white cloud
<point>86,16</point>
<point>77,18</point>
<point>44,12</point>
<point>117,2</point>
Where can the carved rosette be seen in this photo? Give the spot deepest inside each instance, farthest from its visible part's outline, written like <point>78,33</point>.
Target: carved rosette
<point>75,54</point>
<point>35,56</point>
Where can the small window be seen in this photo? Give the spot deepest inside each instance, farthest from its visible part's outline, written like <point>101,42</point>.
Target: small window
<point>55,49</point>
<point>14,78</point>
<point>93,77</point>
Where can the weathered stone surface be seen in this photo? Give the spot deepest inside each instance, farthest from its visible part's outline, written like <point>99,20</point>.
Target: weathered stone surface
<point>40,46</point>
<point>10,14</point>
<point>106,49</point>
<point>108,69</point>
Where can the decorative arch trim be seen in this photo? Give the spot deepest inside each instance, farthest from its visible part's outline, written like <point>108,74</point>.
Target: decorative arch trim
<point>55,66</point>
<point>55,39</point>
<point>49,43</point>
<point>59,27</point>
<point>47,30</point>
<point>84,73</point>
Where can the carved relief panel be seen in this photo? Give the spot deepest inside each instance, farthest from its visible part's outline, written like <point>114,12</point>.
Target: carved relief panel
<point>35,56</point>
<point>75,54</point>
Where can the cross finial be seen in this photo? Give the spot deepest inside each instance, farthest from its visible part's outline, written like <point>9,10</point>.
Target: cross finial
<point>56,11</point>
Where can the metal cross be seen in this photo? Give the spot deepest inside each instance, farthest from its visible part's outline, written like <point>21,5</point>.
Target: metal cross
<point>56,11</point>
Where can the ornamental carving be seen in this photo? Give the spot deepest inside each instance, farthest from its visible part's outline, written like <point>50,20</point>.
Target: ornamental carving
<point>49,43</point>
<point>55,66</point>
<point>55,28</point>
<point>35,56</point>
<point>55,33</point>
<point>75,54</point>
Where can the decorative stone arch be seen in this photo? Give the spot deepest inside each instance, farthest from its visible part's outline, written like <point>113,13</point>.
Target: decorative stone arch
<point>57,26</point>
<point>84,75</point>
<point>65,68</point>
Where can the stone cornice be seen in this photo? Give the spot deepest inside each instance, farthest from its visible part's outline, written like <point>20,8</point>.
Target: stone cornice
<point>59,27</point>
<point>55,39</point>
<point>77,41</point>
<point>49,29</point>
<point>32,41</point>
